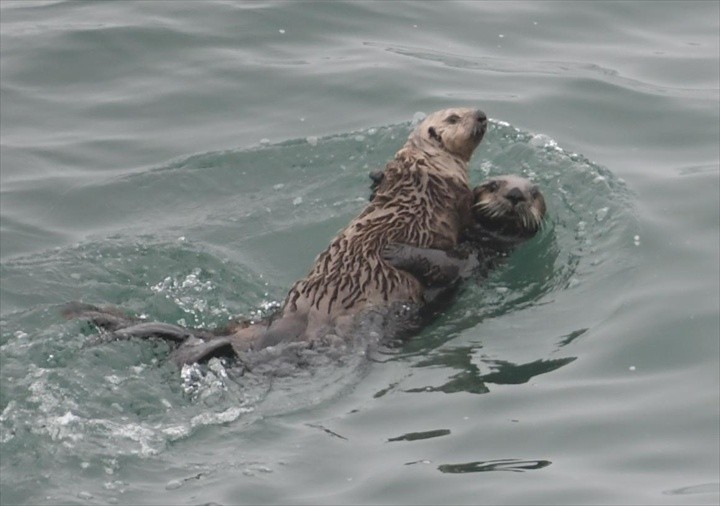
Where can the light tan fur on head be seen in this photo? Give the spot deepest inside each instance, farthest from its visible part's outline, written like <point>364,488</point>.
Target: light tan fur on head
<point>456,132</point>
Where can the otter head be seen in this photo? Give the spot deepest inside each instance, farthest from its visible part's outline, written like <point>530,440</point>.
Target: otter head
<point>509,206</point>
<point>455,131</point>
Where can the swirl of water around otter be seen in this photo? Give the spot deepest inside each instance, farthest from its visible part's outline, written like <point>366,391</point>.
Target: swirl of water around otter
<point>229,232</point>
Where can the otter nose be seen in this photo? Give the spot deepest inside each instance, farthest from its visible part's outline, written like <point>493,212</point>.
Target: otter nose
<point>515,196</point>
<point>480,116</point>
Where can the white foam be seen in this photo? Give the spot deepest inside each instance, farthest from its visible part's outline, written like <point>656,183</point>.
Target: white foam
<point>418,117</point>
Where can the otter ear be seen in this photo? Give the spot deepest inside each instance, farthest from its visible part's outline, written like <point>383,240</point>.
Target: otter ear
<point>433,134</point>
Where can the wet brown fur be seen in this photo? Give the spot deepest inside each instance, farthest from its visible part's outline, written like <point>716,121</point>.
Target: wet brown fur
<point>424,200</point>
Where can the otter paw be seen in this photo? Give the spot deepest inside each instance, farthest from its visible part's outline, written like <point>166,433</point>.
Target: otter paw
<point>394,253</point>
<point>376,176</point>
<point>406,258</point>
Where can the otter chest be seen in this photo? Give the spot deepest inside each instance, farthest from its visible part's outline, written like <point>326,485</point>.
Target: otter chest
<point>351,272</point>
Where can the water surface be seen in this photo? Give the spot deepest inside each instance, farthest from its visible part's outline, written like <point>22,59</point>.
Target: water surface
<point>187,161</point>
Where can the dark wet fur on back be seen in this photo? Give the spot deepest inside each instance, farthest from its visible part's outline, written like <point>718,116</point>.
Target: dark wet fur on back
<point>422,208</point>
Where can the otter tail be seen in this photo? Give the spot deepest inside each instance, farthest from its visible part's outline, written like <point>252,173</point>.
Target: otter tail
<point>105,318</point>
<point>193,345</point>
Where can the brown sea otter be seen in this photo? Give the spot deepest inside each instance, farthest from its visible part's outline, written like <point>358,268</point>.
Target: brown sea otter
<point>357,288</point>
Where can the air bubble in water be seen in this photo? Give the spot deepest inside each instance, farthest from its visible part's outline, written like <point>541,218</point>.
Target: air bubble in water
<point>600,214</point>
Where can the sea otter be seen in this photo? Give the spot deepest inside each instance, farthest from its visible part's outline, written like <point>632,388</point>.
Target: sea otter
<point>424,200</point>
<point>508,210</point>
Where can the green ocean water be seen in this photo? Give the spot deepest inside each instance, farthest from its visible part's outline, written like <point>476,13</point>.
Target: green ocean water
<point>188,160</point>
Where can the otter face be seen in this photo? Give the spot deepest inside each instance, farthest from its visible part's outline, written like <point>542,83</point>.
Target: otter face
<point>510,205</point>
<point>457,131</point>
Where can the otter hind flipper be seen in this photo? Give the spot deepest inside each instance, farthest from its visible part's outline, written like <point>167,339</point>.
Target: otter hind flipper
<point>166,331</point>
<point>173,334</point>
<point>114,325</point>
<point>246,338</point>
<point>106,318</point>
<point>194,350</point>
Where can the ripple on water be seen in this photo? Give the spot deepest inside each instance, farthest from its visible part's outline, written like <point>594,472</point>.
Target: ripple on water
<point>124,400</point>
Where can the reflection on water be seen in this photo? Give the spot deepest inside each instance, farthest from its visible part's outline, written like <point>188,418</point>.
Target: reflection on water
<point>415,436</point>
<point>508,373</point>
<point>517,466</point>
<point>326,430</point>
<point>570,337</point>
<point>705,488</point>
<point>471,380</point>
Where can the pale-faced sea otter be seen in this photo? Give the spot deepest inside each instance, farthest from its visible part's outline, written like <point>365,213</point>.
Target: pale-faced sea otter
<point>508,210</point>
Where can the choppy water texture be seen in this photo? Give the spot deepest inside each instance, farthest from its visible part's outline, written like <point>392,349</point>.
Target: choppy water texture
<point>187,161</point>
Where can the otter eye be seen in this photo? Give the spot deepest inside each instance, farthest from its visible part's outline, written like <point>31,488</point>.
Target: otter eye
<point>534,192</point>
<point>453,118</point>
<point>491,186</point>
